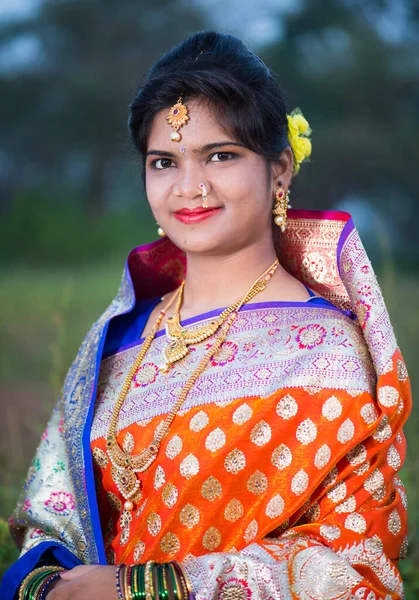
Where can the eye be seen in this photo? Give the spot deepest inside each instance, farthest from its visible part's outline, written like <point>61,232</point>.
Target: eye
<point>223,156</point>
<point>161,164</point>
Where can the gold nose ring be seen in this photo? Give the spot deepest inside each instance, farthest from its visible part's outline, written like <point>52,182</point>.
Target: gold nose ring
<point>204,195</point>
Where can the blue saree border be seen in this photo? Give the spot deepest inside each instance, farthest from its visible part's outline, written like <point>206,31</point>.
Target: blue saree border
<point>88,462</point>
<point>9,585</point>
<point>79,403</point>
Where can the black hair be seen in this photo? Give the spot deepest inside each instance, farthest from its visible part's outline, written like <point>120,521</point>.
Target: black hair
<point>219,69</point>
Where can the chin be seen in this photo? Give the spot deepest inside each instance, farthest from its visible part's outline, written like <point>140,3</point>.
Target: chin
<point>198,242</point>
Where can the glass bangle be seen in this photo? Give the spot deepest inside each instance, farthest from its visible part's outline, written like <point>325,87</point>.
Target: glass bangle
<point>137,579</point>
<point>160,582</point>
<point>185,594</point>
<point>32,586</point>
<point>164,582</point>
<point>33,580</point>
<point>170,580</point>
<point>139,574</point>
<point>156,587</point>
<point>45,586</point>
<point>118,582</point>
<point>134,584</point>
<point>191,595</point>
<point>128,582</point>
<point>176,589</point>
<point>148,581</point>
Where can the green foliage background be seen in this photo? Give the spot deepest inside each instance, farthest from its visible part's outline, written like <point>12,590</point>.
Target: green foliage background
<point>72,203</point>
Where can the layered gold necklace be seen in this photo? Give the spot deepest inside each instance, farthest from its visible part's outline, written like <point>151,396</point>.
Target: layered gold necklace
<point>180,338</point>
<point>126,466</point>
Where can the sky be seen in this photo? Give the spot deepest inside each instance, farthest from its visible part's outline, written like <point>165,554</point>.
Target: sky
<point>255,27</point>
<point>240,16</point>
<point>10,9</point>
<point>255,24</point>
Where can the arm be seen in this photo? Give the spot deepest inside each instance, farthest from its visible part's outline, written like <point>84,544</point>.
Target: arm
<point>45,520</point>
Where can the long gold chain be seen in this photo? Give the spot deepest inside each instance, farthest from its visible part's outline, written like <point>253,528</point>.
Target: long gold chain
<point>125,465</point>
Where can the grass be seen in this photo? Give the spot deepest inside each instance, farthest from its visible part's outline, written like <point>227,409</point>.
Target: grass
<point>44,314</point>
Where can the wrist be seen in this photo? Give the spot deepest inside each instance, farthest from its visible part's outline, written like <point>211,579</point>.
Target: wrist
<point>54,584</point>
<point>153,580</point>
<point>36,584</point>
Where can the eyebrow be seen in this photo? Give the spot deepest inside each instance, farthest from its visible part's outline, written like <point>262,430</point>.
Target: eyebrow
<point>200,150</point>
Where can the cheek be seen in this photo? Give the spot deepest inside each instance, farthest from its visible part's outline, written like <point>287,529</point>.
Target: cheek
<point>155,192</point>
<point>247,195</point>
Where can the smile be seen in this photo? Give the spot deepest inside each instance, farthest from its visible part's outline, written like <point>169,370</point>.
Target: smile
<point>195,215</point>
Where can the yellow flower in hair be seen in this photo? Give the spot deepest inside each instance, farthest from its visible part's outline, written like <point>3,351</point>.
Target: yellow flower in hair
<point>307,146</point>
<point>293,129</point>
<point>301,122</point>
<point>299,149</point>
<point>298,136</point>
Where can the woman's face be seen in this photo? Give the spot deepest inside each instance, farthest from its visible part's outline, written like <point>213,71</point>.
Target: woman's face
<point>238,185</point>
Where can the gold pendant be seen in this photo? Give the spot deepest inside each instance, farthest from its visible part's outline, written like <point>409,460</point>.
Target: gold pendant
<point>180,338</point>
<point>126,481</point>
<point>125,467</point>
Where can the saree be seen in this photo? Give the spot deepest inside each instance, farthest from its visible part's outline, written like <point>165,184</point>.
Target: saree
<point>278,478</point>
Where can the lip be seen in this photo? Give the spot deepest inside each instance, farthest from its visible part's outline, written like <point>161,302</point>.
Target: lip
<point>195,215</point>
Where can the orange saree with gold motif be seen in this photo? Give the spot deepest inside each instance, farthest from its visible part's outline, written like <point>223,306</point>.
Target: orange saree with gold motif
<point>278,478</point>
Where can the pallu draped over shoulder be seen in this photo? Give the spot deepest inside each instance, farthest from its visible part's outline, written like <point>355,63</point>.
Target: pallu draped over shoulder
<point>278,478</point>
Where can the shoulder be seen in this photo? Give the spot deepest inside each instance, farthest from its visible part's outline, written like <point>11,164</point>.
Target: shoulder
<point>308,346</point>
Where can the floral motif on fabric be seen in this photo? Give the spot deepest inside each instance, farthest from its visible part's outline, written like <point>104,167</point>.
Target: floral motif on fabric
<point>61,503</point>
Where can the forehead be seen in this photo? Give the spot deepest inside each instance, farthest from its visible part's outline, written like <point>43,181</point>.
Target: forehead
<point>202,127</point>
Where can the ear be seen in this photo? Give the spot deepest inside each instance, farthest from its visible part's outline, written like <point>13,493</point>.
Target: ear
<point>281,170</point>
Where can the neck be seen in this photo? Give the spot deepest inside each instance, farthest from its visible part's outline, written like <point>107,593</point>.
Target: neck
<point>213,282</point>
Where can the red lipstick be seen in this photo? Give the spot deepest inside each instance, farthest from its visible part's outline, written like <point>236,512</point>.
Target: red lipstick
<point>195,215</point>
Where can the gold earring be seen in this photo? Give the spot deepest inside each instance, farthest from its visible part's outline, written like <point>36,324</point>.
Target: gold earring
<point>280,208</point>
<point>160,231</point>
<point>177,117</point>
<point>204,195</point>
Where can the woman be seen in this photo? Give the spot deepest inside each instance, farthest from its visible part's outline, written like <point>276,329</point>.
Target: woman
<point>251,450</point>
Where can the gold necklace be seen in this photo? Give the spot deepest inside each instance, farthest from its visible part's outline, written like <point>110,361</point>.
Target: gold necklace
<point>125,465</point>
<point>180,338</point>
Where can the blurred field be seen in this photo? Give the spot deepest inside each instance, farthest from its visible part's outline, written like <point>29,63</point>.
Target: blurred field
<point>44,314</point>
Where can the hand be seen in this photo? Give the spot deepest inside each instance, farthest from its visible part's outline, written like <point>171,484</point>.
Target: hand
<point>86,582</point>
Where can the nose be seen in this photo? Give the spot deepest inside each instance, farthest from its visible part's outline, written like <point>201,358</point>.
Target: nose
<point>187,182</point>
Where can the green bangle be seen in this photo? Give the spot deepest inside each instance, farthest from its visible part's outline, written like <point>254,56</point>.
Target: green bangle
<point>141,569</point>
<point>156,587</point>
<point>174,580</point>
<point>33,584</point>
<point>165,593</point>
<point>136,578</point>
<point>29,587</point>
<point>30,592</point>
<point>159,583</point>
<point>134,583</point>
<point>148,580</point>
<point>167,580</point>
<point>166,588</point>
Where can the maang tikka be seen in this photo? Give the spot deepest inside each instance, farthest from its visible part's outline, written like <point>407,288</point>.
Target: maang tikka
<point>281,207</point>
<point>177,117</point>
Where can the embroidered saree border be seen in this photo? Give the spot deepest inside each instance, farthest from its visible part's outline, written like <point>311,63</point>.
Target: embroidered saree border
<point>366,298</point>
<point>267,349</point>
